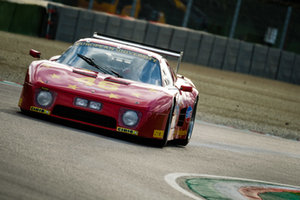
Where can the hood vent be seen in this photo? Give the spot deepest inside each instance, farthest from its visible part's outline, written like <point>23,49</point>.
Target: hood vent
<point>114,80</point>
<point>85,73</point>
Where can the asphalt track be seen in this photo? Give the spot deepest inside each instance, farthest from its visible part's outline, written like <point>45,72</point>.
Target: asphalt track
<point>49,159</point>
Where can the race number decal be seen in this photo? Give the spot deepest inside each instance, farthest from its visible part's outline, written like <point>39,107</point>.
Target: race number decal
<point>158,134</point>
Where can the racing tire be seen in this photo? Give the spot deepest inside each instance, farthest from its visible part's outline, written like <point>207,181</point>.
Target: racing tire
<point>185,141</point>
<point>25,112</point>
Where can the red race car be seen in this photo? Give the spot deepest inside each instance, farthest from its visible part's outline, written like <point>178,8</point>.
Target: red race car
<point>116,85</point>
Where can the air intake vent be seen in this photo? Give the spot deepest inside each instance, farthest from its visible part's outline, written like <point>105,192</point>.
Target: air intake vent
<point>84,116</point>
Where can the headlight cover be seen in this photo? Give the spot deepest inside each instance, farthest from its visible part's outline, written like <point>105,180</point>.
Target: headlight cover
<point>130,118</point>
<point>44,98</point>
<point>87,104</point>
<point>95,105</point>
<point>81,102</point>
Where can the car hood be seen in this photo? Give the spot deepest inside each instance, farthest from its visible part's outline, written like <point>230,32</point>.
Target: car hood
<point>100,86</point>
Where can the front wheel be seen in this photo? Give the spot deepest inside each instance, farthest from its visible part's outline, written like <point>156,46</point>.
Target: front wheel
<point>185,141</point>
<point>164,141</point>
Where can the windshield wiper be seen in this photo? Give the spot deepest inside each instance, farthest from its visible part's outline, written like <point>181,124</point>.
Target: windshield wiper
<point>91,62</point>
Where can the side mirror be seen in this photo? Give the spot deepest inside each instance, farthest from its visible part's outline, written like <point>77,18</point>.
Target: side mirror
<point>35,53</point>
<point>186,88</point>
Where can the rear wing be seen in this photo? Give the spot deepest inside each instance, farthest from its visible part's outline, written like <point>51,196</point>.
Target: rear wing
<point>166,52</point>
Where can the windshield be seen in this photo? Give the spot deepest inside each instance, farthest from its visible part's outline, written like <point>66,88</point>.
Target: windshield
<point>128,64</point>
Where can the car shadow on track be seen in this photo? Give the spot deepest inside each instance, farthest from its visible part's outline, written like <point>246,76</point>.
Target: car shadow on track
<point>120,137</point>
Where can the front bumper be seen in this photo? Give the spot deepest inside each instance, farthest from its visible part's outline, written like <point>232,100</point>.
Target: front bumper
<point>151,124</point>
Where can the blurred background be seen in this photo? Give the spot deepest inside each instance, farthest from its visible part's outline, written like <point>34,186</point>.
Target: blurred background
<point>257,37</point>
<point>251,37</point>
<point>272,22</point>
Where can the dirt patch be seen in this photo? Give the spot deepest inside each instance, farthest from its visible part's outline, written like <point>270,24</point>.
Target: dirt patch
<point>226,98</point>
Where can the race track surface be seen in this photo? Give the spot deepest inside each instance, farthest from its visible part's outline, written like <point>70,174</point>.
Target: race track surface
<point>46,159</point>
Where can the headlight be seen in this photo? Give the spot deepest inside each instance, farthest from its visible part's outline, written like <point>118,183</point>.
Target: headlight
<point>81,102</point>
<point>130,118</point>
<point>95,105</point>
<point>44,98</point>
<point>88,104</point>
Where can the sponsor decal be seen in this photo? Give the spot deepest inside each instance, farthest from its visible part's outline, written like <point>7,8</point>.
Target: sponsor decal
<point>128,131</point>
<point>158,134</point>
<point>40,110</point>
<point>188,114</point>
<point>182,132</point>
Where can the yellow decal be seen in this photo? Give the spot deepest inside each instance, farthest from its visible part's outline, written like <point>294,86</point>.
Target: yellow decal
<point>136,95</point>
<point>20,101</point>
<point>74,87</point>
<point>41,81</point>
<point>128,131</point>
<point>43,88</point>
<point>113,96</point>
<point>48,66</point>
<point>55,76</point>
<point>86,80</point>
<point>182,132</point>
<point>158,134</point>
<point>108,85</point>
<point>152,90</point>
<point>40,110</point>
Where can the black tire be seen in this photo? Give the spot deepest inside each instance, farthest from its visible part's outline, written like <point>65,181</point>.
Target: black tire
<point>164,141</point>
<point>185,141</point>
<point>26,112</point>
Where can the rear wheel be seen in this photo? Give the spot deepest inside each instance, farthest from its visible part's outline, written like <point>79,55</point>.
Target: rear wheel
<point>185,141</point>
